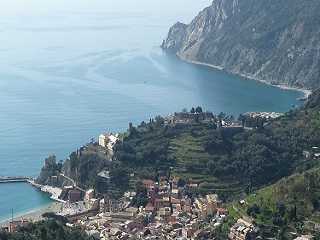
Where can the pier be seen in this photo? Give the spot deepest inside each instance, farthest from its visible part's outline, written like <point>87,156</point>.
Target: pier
<point>19,179</point>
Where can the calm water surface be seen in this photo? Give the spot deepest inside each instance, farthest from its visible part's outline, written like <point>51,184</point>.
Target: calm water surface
<point>67,76</point>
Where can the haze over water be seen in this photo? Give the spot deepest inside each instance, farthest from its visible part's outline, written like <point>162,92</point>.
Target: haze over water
<point>69,71</point>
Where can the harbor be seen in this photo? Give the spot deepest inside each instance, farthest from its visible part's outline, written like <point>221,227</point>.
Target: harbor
<point>54,192</point>
<point>19,179</point>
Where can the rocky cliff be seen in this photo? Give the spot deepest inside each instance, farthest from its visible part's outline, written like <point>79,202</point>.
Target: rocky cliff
<point>273,40</point>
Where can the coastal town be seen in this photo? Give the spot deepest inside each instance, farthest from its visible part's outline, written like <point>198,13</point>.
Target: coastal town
<point>160,120</point>
<point>170,213</point>
<point>162,208</point>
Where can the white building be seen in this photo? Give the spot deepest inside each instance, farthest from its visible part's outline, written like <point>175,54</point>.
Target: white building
<point>89,195</point>
<point>108,140</point>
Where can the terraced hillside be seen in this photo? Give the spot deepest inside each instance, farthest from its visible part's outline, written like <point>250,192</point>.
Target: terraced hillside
<point>292,205</point>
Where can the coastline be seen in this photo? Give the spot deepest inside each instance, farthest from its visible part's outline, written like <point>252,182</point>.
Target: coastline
<point>306,92</point>
<point>54,192</point>
<point>34,215</point>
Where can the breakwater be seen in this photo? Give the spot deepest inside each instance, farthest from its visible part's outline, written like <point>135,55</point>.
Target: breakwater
<point>15,179</point>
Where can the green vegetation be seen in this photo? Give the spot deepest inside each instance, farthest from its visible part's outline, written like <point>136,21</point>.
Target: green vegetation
<point>226,161</point>
<point>141,198</point>
<point>290,205</point>
<point>220,160</point>
<point>46,230</point>
<point>50,168</point>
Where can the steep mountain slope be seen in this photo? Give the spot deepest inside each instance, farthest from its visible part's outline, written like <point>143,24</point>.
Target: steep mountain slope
<point>292,205</point>
<point>272,40</point>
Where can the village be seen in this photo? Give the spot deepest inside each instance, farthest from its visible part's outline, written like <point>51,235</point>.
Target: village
<point>168,210</point>
<point>170,213</point>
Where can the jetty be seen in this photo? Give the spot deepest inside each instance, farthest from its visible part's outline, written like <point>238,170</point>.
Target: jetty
<point>18,179</point>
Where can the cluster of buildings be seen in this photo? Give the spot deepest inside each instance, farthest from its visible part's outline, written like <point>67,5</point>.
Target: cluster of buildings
<point>264,115</point>
<point>169,214</point>
<point>258,119</point>
<point>189,118</point>
<point>14,225</point>
<point>186,118</point>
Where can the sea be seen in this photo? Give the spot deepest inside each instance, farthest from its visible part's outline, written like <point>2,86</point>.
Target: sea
<point>72,70</point>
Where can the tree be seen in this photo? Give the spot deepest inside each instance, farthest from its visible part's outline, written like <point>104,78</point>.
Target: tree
<point>181,182</point>
<point>141,198</point>
<point>119,178</point>
<point>317,236</point>
<point>199,109</point>
<point>253,210</point>
<point>293,213</point>
<point>45,230</point>
<point>222,116</point>
<point>281,208</point>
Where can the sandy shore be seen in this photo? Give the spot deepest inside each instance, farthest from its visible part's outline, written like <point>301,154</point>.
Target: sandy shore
<point>306,92</point>
<point>36,215</point>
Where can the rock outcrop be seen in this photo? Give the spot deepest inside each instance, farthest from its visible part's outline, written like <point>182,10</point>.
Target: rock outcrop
<point>273,40</point>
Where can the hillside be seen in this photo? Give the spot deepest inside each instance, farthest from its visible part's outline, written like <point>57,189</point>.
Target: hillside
<point>292,205</point>
<point>272,40</point>
<point>228,161</point>
<point>224,162</point>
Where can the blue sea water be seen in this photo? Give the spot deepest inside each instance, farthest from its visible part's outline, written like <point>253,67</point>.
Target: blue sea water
<point>21,198</point>
<point>68,75</point>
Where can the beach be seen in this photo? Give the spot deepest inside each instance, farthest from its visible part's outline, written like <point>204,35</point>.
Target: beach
<point>35,215</point>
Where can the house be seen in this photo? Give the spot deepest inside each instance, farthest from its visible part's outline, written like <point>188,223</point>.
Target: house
<point>110,205</point>
<point>130,225</point>
<point>108,141</point>
<point>74,196</point>
<point>175,193</point>
<point>222,212</point>
<point>14,225</point>
<point>175,201</point>
<point>188,232</point>
<point>193,185</point>
<point>213,198</point>
<point>160,203</point>
<point>132,210</point>
<point>148,184</point>
<point>164,212</point>
<point>89,195</point>
<point>208,205</point>
<point>149,208</point>
<point>256,119</point>
<point>242,230</point>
